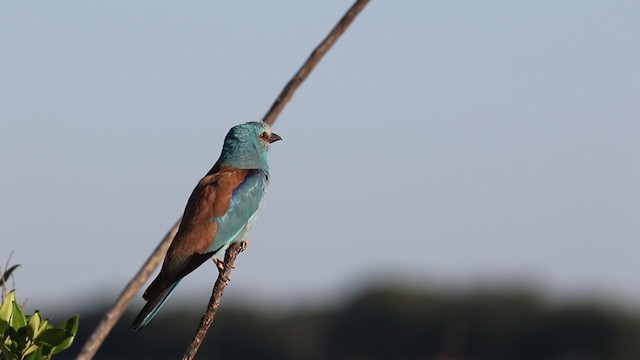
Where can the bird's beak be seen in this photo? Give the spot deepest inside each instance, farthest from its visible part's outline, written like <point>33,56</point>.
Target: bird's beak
<point>274,137</point>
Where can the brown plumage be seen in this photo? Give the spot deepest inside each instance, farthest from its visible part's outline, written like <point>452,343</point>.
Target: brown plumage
<point>211,197</point>
<point>220,210</point>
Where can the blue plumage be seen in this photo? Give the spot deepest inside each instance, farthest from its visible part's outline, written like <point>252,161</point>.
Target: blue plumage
<point>246,200</point>
<point>220,211</point>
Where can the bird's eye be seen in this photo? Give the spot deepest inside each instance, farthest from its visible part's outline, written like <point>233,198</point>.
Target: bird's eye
<point>264,136</point>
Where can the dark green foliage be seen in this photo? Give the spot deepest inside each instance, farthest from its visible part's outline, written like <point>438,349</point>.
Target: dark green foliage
<point>6,275</point>
<point>30,337</point>
<point>392,323</point>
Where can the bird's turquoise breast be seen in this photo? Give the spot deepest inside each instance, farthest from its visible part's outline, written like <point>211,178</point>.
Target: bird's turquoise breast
<point>246,200</point>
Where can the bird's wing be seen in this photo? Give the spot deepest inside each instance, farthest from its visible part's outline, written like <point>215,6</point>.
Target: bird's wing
<point>244,205</point>
<point>190,247</point>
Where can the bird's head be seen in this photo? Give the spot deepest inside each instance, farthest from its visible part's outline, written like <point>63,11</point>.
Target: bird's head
<point>246,146</point>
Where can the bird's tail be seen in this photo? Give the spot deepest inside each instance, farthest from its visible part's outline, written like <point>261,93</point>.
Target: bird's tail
<point>152,307</point>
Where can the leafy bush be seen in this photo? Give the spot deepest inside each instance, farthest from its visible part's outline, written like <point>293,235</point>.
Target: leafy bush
<point>30,337</point>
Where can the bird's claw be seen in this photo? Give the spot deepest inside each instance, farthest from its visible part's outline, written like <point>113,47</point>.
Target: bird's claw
<point>243,245</point>
<point>219,264</point>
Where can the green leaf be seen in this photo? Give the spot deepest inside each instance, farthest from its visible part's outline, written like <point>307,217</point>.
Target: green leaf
<point>36,355</point>
<point>44,324</point>
<point>18,319</point>
<point>46,350</point>
<point>33,326</point>
<point>11,296</point>
<point>31,348</point>
<point>12,336</point>
<point>21,338</point>
<point>6,309</point>
<point>53,337</point>
<point>71,326</point>
<point>16,339</point>
<point>7,274</point>
<point>6,352</point>
<point>3,326</point>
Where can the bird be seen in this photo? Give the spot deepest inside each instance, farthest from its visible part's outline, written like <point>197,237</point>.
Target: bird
<point>219,212</point>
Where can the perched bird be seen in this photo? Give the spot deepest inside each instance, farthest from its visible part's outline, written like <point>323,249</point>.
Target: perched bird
<point>219,212</point>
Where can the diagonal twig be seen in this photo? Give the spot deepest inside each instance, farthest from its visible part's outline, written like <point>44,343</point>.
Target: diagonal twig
<point>214,302</point>
<point>287,93</point>
<point>270,118</point>
<point>115,313</point>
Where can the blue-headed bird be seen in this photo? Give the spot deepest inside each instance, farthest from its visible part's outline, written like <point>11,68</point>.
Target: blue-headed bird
<point>219,212</point>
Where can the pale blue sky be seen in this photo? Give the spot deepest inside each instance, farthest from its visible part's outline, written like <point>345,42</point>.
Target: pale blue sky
<point>451,142</point>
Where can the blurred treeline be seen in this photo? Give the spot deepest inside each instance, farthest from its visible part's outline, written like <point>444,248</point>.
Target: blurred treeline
<point>394,323</point>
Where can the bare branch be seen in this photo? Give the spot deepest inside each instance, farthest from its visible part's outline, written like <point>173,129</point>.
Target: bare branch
<point>214,302</point>
<point>269,118</point>
<point>112,317</point>
<point>287,93</point>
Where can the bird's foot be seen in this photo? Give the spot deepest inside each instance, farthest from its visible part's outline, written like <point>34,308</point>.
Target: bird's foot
<point>219,264</point>
<point>243,245</point>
